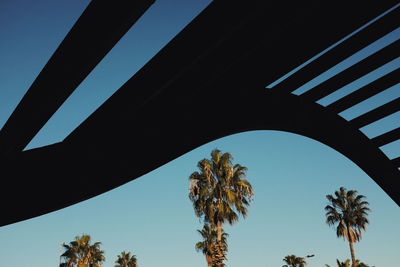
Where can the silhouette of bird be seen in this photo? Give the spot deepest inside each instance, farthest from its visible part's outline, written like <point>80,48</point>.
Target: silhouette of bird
<point>309,256</point>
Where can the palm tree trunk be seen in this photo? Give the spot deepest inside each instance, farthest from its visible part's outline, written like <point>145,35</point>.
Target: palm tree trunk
<point>350,238</point>
<point>353,258</point>
<point>219,242</point>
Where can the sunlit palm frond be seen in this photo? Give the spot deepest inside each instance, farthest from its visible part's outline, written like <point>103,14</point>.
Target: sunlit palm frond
<point>294,261</point>
<point>126,260</point>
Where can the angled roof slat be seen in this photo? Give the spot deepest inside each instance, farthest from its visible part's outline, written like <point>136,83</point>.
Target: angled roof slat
<point>396,162</point>
<point>354,72</point>
<point>376,114</point>
<point>365,92</point>
<point>386,138</point>
<point>85,45</point>
<point>358,41</point>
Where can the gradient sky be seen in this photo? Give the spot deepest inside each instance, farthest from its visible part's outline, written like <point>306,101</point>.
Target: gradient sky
<point>152,216</point>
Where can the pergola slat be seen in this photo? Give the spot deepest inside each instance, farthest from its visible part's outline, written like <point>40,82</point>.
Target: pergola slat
<point>376,114</point>
<point>366,92</point>
<point>396,162</point>
<point>359,40</point>
<point>354,72</point>
<point>386,138</point>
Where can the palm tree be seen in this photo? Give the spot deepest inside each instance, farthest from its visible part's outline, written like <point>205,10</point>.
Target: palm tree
<point>126,260</point>
<point>81,253</point>
<point>346,263</point>
<point>208,245</point>
<point>219,191</point>
<point>294,261</point>
<point>350,212</point>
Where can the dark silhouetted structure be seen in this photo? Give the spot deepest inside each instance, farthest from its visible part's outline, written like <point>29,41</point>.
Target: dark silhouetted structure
<point>229,53</point>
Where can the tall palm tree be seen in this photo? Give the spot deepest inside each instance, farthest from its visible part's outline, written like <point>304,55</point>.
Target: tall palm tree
<point>126,260</point>
<point>208,245</point>
<point>294,261</point>
<point>349,211</point>
<point>219,191</point>
<point>81,253</point>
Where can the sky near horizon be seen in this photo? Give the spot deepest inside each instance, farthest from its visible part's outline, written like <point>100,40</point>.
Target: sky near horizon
<point>152,216</point>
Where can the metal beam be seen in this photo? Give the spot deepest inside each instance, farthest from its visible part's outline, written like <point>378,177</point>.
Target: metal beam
<point>58,169</point>
<point>95,33</point>
<point>202,58</point>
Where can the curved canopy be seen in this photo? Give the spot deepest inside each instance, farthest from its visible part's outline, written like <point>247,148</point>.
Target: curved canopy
<point>157,115</point>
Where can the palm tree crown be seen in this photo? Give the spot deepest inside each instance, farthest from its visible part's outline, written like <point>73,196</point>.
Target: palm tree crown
<point>81,253</point>
<point>220,191</point>
<point>349,211</point>
<point>346,263</point>
<point>294,261</point>
<point>126,260</point>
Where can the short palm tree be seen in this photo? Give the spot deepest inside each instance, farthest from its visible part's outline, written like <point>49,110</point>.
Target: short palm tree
<point>346,263</point>
<point>126,260</point>
<point>81,253</point>
<point>208,245</point>
<point>294,261</point>
<point>349,211</point>
<point>219,191</point>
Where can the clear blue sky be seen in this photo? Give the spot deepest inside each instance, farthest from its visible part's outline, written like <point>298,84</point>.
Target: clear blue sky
<point>152,216</point>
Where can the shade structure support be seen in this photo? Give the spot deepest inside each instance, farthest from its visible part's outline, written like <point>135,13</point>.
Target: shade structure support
<point>157,115</point>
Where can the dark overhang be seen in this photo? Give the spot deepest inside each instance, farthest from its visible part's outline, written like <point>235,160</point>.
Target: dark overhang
<point>158,114</point>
